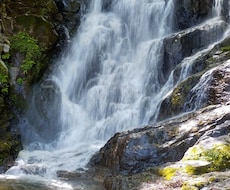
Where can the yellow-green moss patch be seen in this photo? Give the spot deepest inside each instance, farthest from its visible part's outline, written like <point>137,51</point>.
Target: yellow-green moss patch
<point>218,156</point>
<point>167,172</point>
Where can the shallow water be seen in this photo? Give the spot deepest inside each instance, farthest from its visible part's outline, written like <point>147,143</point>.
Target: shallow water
<point>32,183</point>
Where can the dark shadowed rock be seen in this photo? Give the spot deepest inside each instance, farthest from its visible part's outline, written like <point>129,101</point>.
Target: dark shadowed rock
<point>190,12</point>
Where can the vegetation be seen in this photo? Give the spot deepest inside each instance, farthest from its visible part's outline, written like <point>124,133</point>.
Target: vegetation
<point>29,48</point>
<point>19,81</point>
<point>4,151</point>
<point>5,56</point>
<point>218,156</point>
<point>4,85</point>
<point>226,48</point>
<point>167,172</point>
<point>181,92</point>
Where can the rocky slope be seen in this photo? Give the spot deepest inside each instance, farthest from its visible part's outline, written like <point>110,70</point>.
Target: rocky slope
<point>189,152</point>
<point>189,146</point>
<point>31,33</point>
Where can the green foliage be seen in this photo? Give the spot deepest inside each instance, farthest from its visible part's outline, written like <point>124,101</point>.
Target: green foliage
<point>19,81</point>
<point>218,156</point>
<point>5,56</point>
<point>3,79</point>
<point>28,46</point>
<point>226,48</point>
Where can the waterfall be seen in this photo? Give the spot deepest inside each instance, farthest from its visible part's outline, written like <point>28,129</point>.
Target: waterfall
<point>111,79</point>
<point>218,4</point>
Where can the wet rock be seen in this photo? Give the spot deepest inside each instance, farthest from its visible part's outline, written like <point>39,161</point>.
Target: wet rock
<point>154,147</point>
<point>177,100</point>
<point>91,179</point>
<point>200,89</point>
<point>69,14</point>
<point>190,13</point>
<point>188,42</point>
<point>39,28</point>
<point>134,151</point>
<point>46,122</point>
<point>37,20</point>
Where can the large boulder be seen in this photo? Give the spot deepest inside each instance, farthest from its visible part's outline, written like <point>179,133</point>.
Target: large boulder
<point>186,43</point>
<point>191,93</point>
<point>148,151</point>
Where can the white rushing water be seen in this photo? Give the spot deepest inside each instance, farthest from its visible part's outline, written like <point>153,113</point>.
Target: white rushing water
<point>105,82</point>
<point>218,4</point>
<point>110,80</point>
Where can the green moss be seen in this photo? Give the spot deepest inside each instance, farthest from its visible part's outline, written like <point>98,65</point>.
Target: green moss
<point>177,98</point>
<point>167,172</point>
<point>196,170</point>
<point>193,153</point>
<point>218,156</point>
<point>4,84</point>
<point>195,184</point>
<point>211,60</point>
<point>19,81</point>
<point>9,149</point>
<point>187,186</point>
<point>38,28</point>
<point>33,57</point>
<point>5,56</point>
<point>4,151</point>
<point>226,48</point>
<point>181,92</point>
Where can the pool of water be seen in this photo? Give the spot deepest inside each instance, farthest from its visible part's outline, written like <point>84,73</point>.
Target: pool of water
<point>34,183</point>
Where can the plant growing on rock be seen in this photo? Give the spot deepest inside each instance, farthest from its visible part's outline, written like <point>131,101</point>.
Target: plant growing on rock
<point>29,48</point>
<point>218,156</point>
<point>226,48</point>
<point>4,85</point>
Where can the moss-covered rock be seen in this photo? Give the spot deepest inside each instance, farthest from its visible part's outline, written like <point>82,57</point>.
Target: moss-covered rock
<point>32,57</point>
<point>27,37</point>
<point>218,156</point>
<point>4,83</point>
<point>167,172</point>
<point>176,101</point>
<point>38,27</point>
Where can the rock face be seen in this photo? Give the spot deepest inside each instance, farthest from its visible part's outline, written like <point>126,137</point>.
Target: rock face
<point>186,43</point>
<point>134,151</point>
<point>191,12</point>
<point>195,143</point>
<point>185,146</point>
<point>30,32</point>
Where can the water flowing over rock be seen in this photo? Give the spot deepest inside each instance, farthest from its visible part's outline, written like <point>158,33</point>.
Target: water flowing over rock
<point>138,149</point>
<point>160,64</point>
<point>29,32</point>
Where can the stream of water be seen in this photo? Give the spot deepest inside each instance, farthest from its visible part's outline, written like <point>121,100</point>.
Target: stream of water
<point>110,80</point>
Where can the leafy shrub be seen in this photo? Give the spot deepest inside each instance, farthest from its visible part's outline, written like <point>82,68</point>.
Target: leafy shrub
<point>28,46</point>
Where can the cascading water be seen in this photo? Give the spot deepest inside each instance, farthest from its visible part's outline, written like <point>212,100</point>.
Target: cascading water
<point>110,80</point>
<point>105,82</point>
